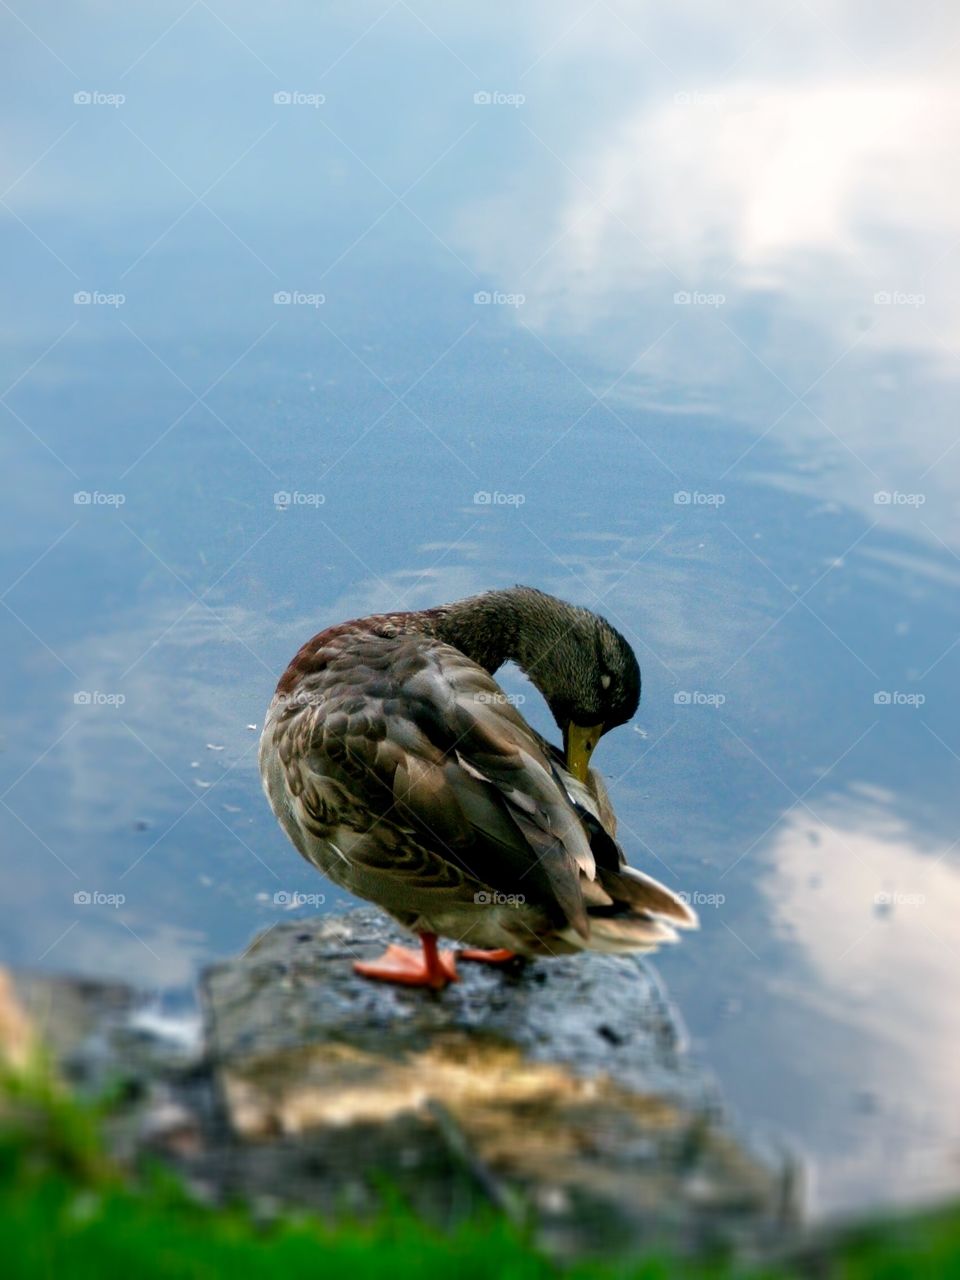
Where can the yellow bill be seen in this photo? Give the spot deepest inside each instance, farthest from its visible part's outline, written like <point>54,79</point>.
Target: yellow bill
<point>580,745</point>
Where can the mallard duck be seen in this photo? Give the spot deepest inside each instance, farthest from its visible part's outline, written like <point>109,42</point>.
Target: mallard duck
<point>398,766</point>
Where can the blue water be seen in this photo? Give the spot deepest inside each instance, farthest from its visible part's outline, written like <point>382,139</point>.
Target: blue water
<point>757,485</point>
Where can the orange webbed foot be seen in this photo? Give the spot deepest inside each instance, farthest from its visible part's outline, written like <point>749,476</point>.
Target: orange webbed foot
<point>408,968</point>
<point>500,956</point>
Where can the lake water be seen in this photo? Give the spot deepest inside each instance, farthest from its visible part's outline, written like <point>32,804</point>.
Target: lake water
<point>656,310</point>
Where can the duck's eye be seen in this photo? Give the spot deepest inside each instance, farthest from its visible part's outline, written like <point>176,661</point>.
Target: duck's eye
<point>605,680</point>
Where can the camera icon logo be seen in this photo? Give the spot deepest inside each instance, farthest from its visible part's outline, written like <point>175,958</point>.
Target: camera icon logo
<point>82,898</point>
<point>283,98</point>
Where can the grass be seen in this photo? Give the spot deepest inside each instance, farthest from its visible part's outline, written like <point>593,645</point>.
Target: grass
<point>67,1211</point>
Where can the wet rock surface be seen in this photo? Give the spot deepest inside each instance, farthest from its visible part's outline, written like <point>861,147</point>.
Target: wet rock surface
<point>559,1093</point>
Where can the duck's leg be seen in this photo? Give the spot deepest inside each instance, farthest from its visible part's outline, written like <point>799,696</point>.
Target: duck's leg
<point>431,968</point>
<point>500,956</point>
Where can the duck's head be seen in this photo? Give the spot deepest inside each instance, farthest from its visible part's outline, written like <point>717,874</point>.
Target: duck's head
<point>584,668</point>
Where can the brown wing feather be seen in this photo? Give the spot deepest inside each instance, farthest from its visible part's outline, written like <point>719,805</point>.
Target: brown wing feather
<point>422,738</point>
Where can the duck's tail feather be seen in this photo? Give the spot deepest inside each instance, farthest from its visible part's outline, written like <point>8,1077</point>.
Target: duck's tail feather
<point>637,890</point>
<point>616,934</point>
<point>641,916</point>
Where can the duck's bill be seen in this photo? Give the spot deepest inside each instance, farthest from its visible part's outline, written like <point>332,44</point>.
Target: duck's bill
<point>579,744</point>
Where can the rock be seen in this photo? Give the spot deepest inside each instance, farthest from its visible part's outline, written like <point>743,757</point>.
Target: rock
<point>73,1017</point>
<point>106,1038</point>
<point>559,1092</point>
<point>18,1039</point>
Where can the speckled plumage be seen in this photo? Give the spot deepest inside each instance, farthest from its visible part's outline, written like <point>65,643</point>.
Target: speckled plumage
<point>398,767</point>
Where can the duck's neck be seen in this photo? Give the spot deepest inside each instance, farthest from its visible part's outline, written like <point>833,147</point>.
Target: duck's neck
<point>487,628</point>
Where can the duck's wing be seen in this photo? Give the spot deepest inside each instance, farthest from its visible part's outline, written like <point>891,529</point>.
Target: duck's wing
<point>407,731</point>
<point>633,892</point>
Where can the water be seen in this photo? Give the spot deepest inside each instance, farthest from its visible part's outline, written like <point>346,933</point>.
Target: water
<point>758,484</point>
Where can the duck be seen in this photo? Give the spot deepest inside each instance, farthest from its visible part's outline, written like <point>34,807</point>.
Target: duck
<point>400,769</point>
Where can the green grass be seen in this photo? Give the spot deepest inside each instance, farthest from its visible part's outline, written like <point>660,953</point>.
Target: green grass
<point>65,1211</point>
